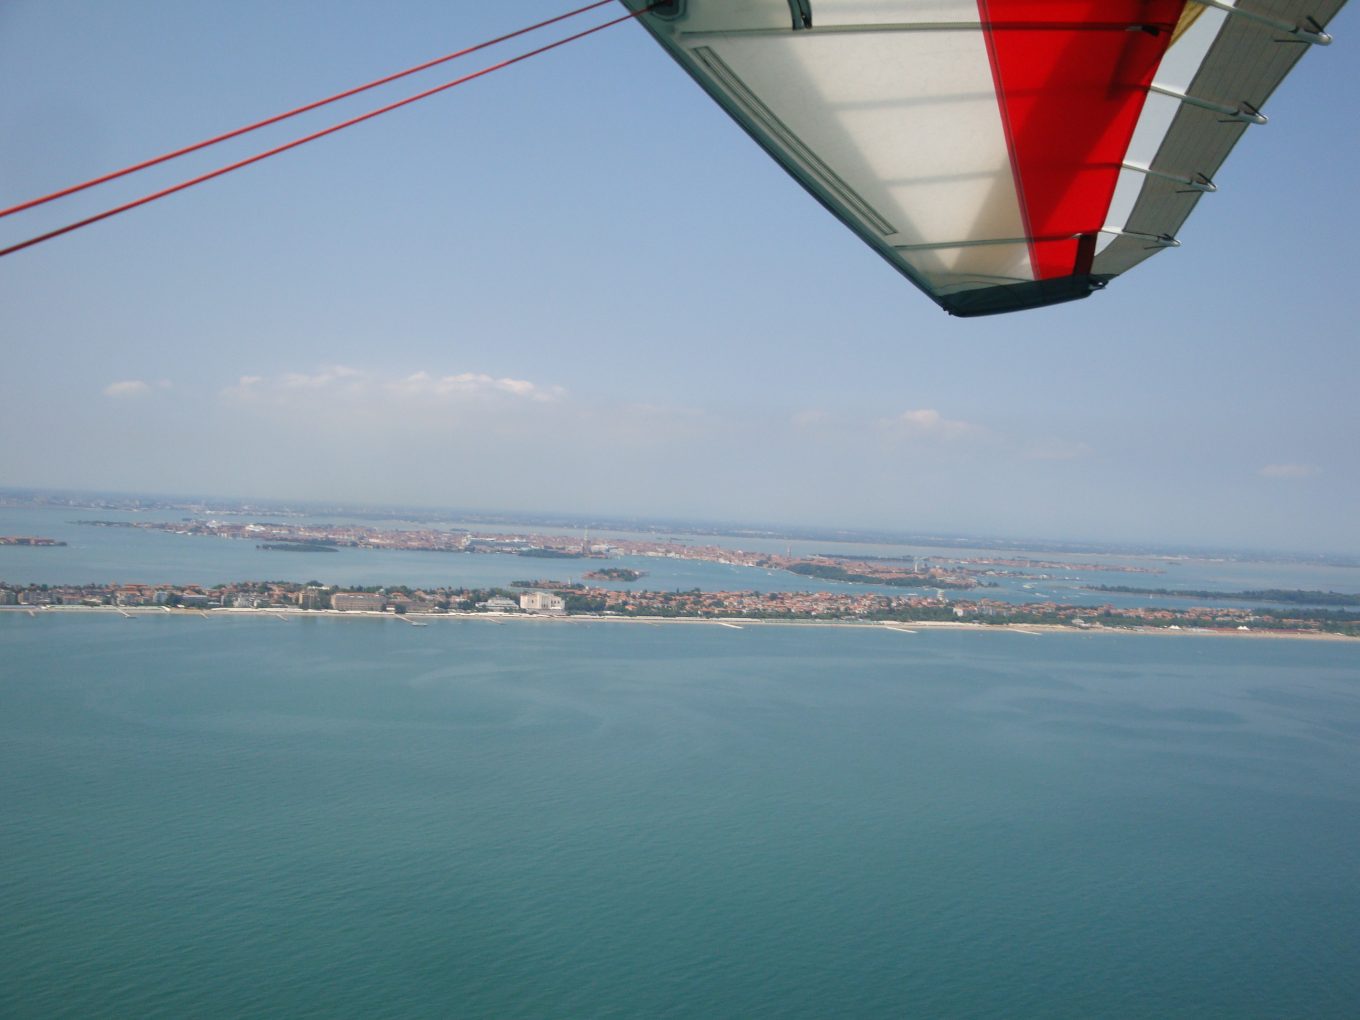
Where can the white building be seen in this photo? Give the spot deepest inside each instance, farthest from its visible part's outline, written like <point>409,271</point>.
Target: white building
<point>542,602</point>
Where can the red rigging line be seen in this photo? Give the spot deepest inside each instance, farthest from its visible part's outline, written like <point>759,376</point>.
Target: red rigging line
<point>307,108</point>
<point>239,164</point>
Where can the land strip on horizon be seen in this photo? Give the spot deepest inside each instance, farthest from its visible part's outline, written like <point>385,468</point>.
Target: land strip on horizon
<point>1006,545</point>
<point>577,600</point>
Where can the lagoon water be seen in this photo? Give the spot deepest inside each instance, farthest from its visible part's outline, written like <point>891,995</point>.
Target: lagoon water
<point>218,817</point>
<point>112,555</point>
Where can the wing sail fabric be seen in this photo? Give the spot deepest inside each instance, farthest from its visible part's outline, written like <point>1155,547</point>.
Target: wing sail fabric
<point>1243,62</point>
<point>982,146</point>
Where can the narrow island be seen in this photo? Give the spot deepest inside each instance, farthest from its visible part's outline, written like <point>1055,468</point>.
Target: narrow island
<point>694,606</point>
<point>1289,596</point>
<point>889,577</point>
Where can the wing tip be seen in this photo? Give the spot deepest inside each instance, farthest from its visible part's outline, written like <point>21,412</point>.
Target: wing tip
<point>1020,297</point>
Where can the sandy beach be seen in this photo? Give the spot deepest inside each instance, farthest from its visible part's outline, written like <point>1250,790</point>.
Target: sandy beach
<point>287,614</point>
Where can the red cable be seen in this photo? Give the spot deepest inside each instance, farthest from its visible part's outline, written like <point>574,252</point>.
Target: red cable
<point>73,189</point>
<point>313,136</point>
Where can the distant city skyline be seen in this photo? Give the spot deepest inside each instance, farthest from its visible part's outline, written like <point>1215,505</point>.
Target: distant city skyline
<point>485,520</point>
<point>576,287</point>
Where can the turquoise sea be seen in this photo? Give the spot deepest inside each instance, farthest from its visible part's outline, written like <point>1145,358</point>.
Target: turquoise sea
<point>222,817</point>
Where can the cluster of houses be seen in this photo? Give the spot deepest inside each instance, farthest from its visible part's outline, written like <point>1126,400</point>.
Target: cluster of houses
<point>695,604</point>
<point>268,596</point>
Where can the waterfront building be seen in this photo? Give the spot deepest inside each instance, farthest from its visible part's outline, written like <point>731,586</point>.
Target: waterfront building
<point>319,598</point>
<point>356,601</point>
<point>542,602</point>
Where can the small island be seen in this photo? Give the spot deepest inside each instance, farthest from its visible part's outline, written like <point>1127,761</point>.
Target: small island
<point>30,541</point>
<point>307,547</point>
<point>615,574</point>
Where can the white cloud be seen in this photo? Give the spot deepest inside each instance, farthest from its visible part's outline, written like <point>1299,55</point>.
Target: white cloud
<point>1288,471</point>
<point>810,419</point>
<point>1055,449</point>
<point>468,384</point>
<point>327,377</point>
<point>928,422</point>
<point>245,389</point>
<point>358,390</point>
<point>131,389</point>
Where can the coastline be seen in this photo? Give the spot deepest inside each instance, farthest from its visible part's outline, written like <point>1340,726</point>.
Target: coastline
<point>287,614</point>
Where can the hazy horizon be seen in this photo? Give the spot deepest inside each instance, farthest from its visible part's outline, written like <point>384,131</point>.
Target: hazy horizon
<point>558,518</point>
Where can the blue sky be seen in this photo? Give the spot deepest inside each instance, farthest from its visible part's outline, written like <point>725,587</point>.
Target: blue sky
<point>576,286</point>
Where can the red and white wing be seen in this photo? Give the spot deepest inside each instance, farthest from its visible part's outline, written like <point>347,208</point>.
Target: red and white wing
<point>1002,154</point>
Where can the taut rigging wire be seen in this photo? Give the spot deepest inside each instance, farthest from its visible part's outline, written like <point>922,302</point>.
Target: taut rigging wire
<point>145,164</point>
<point>276,150</point>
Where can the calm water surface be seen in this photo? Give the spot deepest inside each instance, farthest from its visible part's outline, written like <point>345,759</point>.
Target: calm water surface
<point>225,817</point>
